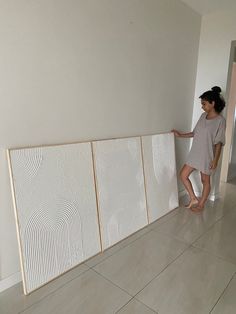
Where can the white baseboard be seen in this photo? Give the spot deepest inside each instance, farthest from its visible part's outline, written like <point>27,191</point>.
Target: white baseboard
<point>212,197</point>
<point>231,176</point>
<point>10,281</point>
<point>182,193</point>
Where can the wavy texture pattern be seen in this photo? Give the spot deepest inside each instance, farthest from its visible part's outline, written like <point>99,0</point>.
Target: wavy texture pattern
<point>56,208</point>
<point>160,174</point>
<point>120,187</point>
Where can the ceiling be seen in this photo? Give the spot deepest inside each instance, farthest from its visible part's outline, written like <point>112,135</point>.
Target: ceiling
<point>208,6</point>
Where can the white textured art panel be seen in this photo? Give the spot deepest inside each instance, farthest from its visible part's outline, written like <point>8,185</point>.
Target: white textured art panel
<point>120,187</point>
<point>55,208</point>
<point>160,174</point>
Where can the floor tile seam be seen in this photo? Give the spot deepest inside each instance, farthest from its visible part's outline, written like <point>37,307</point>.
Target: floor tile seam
<point>175,237</point>
<point>138,302</point>
<point>161,223</point>
<point>169,264</point>
<point>106,278</point>
<point>117,312</point>
<point>118,250</point>
<point>52,292</point>
<point>146,305</point>
<point>145,234</point>
<point>110,281</point>
<point>211,226</point>
<point>171,236</point>
<point>125,246</point>
<point>220,218</point>
<point>223,292</point>
<point>229,211</point>
<point>207,230</point>
<point>207,251</point>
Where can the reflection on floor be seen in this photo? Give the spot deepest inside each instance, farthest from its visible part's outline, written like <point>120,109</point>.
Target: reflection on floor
<point>182,263</point>
<point>232,171</point>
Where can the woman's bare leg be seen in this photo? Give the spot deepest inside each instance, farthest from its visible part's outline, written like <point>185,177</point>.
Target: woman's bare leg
<point>184,175</point>
<point>206,182</point>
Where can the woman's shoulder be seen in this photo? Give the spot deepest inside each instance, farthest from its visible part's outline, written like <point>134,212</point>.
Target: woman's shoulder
<point>203,115</point>
<point>222,117</point>
<point>222,121</point>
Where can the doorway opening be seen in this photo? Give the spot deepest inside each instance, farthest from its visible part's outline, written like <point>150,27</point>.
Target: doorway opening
<point>228,169</point>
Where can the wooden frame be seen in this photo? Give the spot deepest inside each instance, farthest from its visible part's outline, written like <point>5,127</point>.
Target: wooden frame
<point>97,200</point>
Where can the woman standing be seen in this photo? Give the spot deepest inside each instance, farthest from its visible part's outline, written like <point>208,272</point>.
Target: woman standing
<point>208,138</point>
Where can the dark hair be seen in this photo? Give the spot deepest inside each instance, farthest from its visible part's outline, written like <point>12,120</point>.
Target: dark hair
<point>214,95</point>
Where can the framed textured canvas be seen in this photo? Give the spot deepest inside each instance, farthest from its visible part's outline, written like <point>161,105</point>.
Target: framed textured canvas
<point>55,207</point>
<point>120,188</point>
<point>160,174</point>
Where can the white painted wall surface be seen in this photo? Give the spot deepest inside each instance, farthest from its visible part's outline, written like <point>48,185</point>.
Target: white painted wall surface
<point>233,104</point>
<point>218,30</point>
<point>83,70</point>
<point>229,161</point>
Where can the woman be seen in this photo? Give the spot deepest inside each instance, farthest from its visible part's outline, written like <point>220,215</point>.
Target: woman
<point>208,138</point>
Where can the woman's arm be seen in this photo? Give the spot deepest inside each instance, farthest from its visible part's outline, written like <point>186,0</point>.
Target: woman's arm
<point>217,153</point>
<point>179,134</point>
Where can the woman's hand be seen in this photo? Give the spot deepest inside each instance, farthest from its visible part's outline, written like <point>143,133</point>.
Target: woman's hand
<point>176,133</point>
<point>213,164</point>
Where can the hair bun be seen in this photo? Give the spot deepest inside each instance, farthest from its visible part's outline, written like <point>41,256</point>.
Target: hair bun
<point>216,89</point>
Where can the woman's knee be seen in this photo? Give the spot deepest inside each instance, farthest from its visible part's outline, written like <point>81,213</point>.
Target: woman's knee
<point>205,179</point>
<point>183,175</point>
<point>185,172</point>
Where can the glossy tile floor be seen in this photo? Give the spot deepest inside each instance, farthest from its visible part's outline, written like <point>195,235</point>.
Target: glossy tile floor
<point>182,263</point>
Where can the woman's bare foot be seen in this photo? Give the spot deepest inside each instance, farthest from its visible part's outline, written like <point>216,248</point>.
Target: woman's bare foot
<point>198,208</point>
<point>192,203</point>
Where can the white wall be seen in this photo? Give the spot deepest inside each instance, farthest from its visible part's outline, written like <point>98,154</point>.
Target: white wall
<point>231,162</point>
<point>233,104</point>
<point>81,70</point>
<point>218,30</point>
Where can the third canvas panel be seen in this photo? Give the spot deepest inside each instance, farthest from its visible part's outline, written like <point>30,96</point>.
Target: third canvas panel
<point>160,174</point>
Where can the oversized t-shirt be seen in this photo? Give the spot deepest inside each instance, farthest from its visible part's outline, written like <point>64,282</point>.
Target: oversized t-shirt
<point>206,134</point>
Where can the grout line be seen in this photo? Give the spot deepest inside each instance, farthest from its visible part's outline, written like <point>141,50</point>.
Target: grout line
<point>146,305</point>
<point>192,242</point>
<point>207,230</point>
<point>52,292</point>
<point>117,312</point>
<point>133,299</point>
<point>166,217</point>
<point>114,284</point>
<point>187,248</point>
<point>173,237</point>
<point>223,292</point>
<point>148,226</point>
<point>131,242</point>
<point>225,259</point>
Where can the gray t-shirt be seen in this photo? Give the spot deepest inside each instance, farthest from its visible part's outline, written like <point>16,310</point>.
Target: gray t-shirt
<point>207,133</point>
